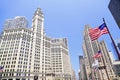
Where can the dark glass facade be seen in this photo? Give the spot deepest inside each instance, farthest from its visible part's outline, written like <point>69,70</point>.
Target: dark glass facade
<point>114,7</point>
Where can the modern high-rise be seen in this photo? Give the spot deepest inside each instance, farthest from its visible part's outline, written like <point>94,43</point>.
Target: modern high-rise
<point>116,68</point>
<point>28,54</point>
<point>116,63</point>
<point>114,7</point>
<point>117,42</point>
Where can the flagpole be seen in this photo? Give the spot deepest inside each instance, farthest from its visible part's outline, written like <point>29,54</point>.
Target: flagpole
<point>112,40</point>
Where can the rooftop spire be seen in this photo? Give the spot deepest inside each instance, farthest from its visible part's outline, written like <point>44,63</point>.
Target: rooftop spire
<point>38,11</point>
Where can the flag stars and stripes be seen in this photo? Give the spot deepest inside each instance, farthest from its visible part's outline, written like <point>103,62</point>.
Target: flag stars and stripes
<point>97,55</point>
<point>95,33</point>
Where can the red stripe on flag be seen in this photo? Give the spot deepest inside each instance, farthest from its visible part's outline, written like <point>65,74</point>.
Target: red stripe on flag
<point>96,33</point>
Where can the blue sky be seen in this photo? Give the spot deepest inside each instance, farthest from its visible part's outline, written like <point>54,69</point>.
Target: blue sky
<point>64,18</point>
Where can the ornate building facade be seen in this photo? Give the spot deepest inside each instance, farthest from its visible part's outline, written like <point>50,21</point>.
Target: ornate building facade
<point>28,54</point>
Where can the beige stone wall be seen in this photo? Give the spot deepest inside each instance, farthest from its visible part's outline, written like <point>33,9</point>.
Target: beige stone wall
<point>50,78</point>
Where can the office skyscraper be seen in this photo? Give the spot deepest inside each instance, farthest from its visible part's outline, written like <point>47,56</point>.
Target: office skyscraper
<point>83,75</point>
<point>117,42</point>
<point>116,63</point>
<point>89,49</point>
<point>114,7</point>
<point>107,62</point>
<point>26,53</point>
<point>60,58</point>
<point>18,21</point>
<point>73,75</point>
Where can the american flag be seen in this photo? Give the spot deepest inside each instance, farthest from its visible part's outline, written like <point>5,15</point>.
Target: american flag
<point>1,68</point>
<point>97,55</point>
<point>95,33</point>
